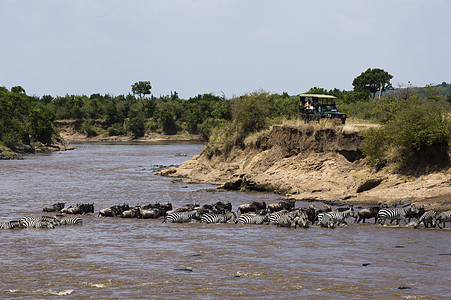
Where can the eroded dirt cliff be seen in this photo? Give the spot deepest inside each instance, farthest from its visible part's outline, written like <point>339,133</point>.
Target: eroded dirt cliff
<point>312,163</point>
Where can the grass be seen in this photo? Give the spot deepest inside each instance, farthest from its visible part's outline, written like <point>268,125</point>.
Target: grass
<point>6,151</point>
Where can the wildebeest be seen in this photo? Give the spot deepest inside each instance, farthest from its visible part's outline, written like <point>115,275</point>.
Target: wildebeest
<point>281,205</point>
<point>415,214</point>
<point>151,213</point>
<point>217,208</point>
<point>222,207</point>
<point>254,206</point>
<point>114,211</point>
<point>163,207</point>
<point>133,212</point>
<point>54,207</point>
<point>312,212</point>
<point>186,207</point>
<point>367,213</point>
<point>79,209</point>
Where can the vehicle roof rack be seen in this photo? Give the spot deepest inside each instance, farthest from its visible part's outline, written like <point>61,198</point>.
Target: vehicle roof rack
<point>317,96</point>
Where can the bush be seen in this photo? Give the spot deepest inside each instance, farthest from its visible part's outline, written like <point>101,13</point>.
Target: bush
<point>116,129</point>
<point>374,145</point>
<point>152,126</point>
<point>416,137</point>
<point>89,129</point>
<point>250,112</point>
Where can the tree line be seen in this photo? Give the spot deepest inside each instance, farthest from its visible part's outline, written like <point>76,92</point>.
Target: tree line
<point>28,119</point>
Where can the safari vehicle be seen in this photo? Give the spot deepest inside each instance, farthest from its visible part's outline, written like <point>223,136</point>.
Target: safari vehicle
<point>314,107</point>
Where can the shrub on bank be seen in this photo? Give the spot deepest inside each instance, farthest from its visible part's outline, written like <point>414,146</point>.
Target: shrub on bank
<point>416,137</point>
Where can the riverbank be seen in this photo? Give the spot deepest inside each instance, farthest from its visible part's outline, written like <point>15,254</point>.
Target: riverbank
<point>35,147</point>
<point>70,131</point>
<point>313,163</point>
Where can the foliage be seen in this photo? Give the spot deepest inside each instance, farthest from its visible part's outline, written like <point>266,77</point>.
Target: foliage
<point>136,121</point>
<point>23,119</point>
<point>167,115</point>
<point>89,129</point>
<point>372,81</point>
<point>417,128</point>
<point>411,117</point>
<point>41,123</point>
<point>414,135</point>
<point>115,130</point>
<point>141,88</point>
<point>250,112</point>
<point>374,145</point>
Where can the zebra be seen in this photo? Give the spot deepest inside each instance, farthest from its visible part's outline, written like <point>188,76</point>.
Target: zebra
<point>10,225</point>
<point>326,220</point>
<point>49,219</point>
<point>273,218</point>
<point>252,218</point>
<point>428,218</point>
<point>35,222</point>
<point>181,216</point>
<point>338,217</point>
<point>218,218</point>
<point>395,214</point>
<point>287,220</point>
<point>443,217</point>
<point>68,220</point>
<point>302,220</point>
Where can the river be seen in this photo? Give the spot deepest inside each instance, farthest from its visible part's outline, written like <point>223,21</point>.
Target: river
<point>114,258</point>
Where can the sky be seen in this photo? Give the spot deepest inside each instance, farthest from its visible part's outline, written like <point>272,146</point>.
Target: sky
<point>224,47</point>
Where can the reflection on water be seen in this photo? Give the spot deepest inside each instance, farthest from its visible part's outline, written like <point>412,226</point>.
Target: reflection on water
<point>113,258</point>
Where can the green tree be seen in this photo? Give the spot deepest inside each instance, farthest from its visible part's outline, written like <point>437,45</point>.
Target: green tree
<point>373,81</point>
<point>141,88</point>
<point>165,114</point>
<point>41,123</point>
<point>136,123</point>
<point>18,90</point>
<point>416,136</point>
<point>250,112</point>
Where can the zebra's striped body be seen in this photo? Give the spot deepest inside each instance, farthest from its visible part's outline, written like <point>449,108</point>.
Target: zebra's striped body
<point>181,216</point>
<point>338,217</point>
<point>443,217</point>
<point>218,218</point>
<point>274,217</point>
<point>35,222</point>
<point>10,225</point>
<point>252,218</point>
<point>326,220</point>
<point>394,214</point>
<point>302,220</point>
<point>428,219</point>
<point>68,220</point>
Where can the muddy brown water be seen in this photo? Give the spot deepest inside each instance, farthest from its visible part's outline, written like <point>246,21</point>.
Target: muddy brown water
<point>113,258</point>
